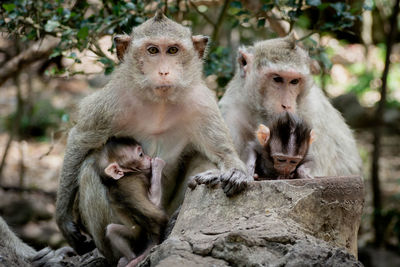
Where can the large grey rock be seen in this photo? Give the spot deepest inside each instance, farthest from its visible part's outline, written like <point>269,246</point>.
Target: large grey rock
<point>273,223</point>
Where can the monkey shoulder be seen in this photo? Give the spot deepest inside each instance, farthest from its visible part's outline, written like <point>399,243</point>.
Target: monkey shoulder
<point>97,110</point>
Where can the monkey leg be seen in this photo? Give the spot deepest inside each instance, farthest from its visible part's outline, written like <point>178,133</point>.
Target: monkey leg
<point>155,187</point>
<point>120,238</point>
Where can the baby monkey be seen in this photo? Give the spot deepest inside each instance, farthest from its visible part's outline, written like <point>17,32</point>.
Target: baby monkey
<point>133,182</point>
<point>281,150</point>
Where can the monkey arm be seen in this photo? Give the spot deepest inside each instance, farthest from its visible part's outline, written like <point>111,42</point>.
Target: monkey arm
<point>78,145</point>
<point>213,140</point>
<point>251,159</point>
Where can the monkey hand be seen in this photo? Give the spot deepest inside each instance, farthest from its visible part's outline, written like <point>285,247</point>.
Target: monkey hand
<point>234,181</point>
<point>76,239</point>
<point>209,178</point>
<point>304,172</point>
<point>157,164</point>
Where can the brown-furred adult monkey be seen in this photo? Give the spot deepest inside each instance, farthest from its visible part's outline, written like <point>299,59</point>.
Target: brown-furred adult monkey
<point>281,150</point>
<point>275,76</point>
<point>158,97</point>
<point>133,182</point>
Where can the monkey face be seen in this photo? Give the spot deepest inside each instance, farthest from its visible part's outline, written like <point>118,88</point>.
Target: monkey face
<point>165,67</point>
<point>276,74</point>
<point>285,165</point>
<point>140,160</point>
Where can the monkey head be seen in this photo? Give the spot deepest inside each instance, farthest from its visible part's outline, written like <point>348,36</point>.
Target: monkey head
<point>286,141</point>
<point>121,156</point>
<point>276,73</point>
<point>162,57</point>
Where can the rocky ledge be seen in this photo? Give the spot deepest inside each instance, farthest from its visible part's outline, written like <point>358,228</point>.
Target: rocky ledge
<point>305,222</point>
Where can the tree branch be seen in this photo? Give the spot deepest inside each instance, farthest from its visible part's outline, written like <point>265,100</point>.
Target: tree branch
<point>221,16</point>
<point>202,14</point>
<point>40,50</point>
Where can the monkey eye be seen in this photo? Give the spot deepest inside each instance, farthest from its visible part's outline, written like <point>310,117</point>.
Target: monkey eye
<point>172,50</point>
<point>293,162</point>
<point>141,154</point>
<point>153,50</point>
<point>278,79</point>
<point>295,81</point>
<point>282,160</point>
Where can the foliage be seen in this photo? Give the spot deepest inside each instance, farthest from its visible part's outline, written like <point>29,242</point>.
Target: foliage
<point>37,120</point>
<point>80,24</point>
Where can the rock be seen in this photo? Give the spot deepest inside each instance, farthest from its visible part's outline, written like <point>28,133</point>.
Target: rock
<point>305,222</point>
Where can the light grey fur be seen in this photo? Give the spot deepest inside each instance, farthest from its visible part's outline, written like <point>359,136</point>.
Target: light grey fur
<point>334,151</point>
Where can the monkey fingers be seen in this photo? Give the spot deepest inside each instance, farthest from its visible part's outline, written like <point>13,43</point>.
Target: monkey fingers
<point>49,257</point>
<point>234,181</point>
<point>209,178</point>
<point>157,164</point>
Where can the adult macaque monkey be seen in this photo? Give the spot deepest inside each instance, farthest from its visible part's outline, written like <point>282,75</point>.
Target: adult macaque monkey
<point>158,97</point>
<point>275,76</point>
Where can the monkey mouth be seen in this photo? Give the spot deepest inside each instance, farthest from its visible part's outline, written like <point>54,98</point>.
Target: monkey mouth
<point>163,88</point>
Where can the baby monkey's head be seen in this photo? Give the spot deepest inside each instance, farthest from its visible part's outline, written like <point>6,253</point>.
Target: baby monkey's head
<point>121,156</point>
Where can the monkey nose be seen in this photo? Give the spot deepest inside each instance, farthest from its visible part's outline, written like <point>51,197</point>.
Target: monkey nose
<point>286,107</point>
<point>163,73</point>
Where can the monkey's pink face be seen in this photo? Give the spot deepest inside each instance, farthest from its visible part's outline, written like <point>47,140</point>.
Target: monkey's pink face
<point>162,65</point>
<point>135,159</point>
<point>284,164</point>
<point>280,90</point>
<point>144,161</point>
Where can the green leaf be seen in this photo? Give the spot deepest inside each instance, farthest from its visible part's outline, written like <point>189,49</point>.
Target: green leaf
<point>8,7</point>
<point>131,6</point>
<point>339,7</point>
<point>51,25</point>
<point>236,4</point>
<point>368,5</point>
<point>313,2</point>
<point>261,23</point>
<point>83,33</point>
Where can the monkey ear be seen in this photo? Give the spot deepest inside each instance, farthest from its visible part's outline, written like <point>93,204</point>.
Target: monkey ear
<point>200,44</point>
<point>159,15</point>
<point>263,134</point>
<point>292,39</point>
<point>122,43</point>
<point>244,59</point>
<point>315,68</point>
<point>312,137</point>
<point>114,171</point>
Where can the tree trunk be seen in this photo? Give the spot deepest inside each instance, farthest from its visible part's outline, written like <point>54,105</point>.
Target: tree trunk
<point>377,220</point>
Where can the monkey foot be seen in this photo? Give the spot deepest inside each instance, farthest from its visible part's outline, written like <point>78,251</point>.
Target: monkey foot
<point>209,178</point>
<point>157,163</point>
<point>234,181</point>
<point>47,256</point>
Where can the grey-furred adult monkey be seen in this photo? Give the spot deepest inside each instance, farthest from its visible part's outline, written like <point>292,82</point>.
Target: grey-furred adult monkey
<point>274,76</point>
<point>158,97</point>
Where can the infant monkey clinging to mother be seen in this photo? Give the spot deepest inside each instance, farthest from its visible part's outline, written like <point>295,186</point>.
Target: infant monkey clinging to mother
<point>133,182</point>
<point>281,150</point>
